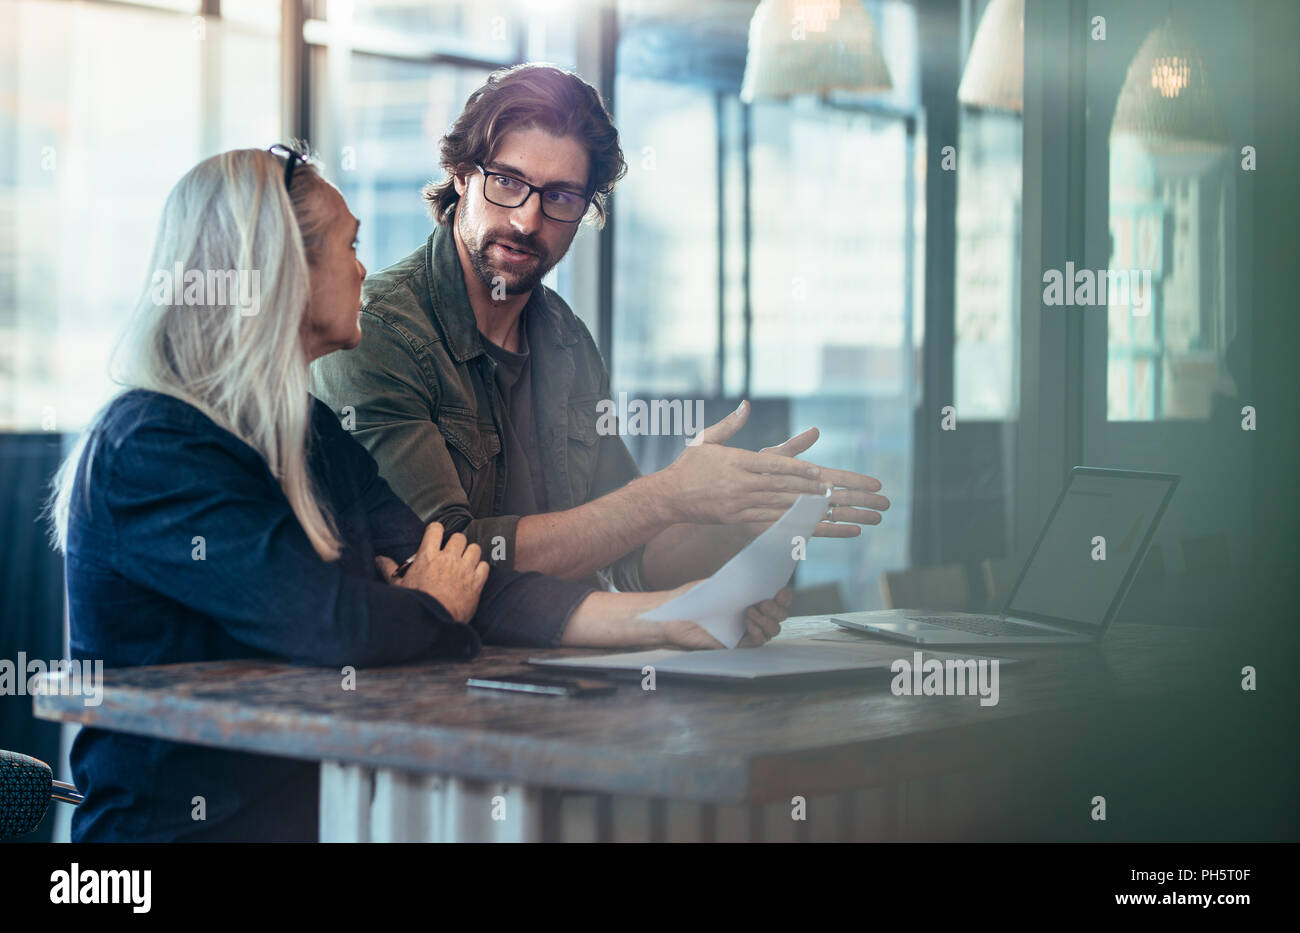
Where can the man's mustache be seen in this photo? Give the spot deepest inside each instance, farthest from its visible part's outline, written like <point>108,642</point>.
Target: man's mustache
<point>526,244</point>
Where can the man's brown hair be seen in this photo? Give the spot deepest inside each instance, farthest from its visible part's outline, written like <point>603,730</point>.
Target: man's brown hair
<point>521,97</point>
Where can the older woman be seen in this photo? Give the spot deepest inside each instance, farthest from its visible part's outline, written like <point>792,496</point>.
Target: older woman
<point>215,510</point>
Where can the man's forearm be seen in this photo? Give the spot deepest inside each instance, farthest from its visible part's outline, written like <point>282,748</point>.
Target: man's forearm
<point>576,542</point>
<point>689,552</point>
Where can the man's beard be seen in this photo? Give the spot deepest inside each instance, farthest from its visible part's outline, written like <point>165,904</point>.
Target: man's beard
<point>491,275</point>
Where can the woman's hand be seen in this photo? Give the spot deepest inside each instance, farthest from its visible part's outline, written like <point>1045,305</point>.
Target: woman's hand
<point>452,573</point>
<point>762,622</point>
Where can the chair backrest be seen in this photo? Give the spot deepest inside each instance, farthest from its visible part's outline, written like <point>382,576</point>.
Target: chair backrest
<point>1151,574</point>
<point>941,587</point>
<point>817,600</point>
<point>999,576</point>
<point>25,784</point>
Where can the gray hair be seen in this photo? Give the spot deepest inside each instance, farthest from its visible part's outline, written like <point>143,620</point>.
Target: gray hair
<point>247,372</point>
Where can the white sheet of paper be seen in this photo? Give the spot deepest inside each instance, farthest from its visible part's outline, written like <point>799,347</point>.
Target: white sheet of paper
<point>766,564</point>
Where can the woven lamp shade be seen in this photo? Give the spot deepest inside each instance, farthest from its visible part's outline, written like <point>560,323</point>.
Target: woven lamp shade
<point>995,69</point>
<point>812,47</point>
<point>1167,103</point>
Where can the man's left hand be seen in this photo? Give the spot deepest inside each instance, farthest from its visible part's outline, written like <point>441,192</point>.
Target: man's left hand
<point>853,500</point>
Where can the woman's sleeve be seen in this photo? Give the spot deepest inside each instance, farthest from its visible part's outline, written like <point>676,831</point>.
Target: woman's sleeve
<point>525,609</point>
<point>528,609</point>
<point>198,522</point>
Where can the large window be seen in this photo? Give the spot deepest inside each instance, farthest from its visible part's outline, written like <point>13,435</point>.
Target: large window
<point>1171,219</point>
<point>987,333</point>
<point>771,251</point>
<point>1170,351</point>
<point>91,141</point>
<point>666,266</point>
<point>378,122</point>
<point>833,308</point>
<point>388,78</point>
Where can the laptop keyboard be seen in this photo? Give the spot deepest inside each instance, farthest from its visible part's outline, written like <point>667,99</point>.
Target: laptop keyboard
<point>983,625</point>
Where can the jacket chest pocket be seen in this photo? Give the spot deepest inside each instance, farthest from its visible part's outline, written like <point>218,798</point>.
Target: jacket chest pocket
<point>582,448</point>
<point>473,446</point>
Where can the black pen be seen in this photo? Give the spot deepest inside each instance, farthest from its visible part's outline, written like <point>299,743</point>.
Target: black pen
<point>405,566</point>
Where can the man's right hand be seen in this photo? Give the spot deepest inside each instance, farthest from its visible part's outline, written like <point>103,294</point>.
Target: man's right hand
<point>452,573</point>
<point>711,483</point>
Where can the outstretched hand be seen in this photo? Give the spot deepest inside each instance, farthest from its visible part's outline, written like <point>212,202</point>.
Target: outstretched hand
<point>853,499</point>
<point>710,483</point>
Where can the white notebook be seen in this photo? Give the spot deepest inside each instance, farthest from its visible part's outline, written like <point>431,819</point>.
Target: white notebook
<point>787,657</point>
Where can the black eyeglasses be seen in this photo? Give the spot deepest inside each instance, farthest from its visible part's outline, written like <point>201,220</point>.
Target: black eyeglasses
<point>292,158</point>
<point>557,203</point>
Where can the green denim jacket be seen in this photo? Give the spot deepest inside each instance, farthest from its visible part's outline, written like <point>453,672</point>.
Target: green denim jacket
<point>419,393</point>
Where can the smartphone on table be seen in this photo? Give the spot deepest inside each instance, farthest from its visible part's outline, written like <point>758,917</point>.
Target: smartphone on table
<point>543,686</point>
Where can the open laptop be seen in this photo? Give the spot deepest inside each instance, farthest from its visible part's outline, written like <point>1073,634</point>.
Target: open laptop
<point>1063,594</point>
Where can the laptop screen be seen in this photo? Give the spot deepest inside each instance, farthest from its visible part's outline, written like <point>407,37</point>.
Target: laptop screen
<point>1066,578</point>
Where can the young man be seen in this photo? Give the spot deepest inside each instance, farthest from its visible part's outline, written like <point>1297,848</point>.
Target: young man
<point>476,387</point>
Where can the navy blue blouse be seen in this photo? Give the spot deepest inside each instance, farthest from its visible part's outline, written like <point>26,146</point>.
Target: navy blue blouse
<point>182,547</point>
